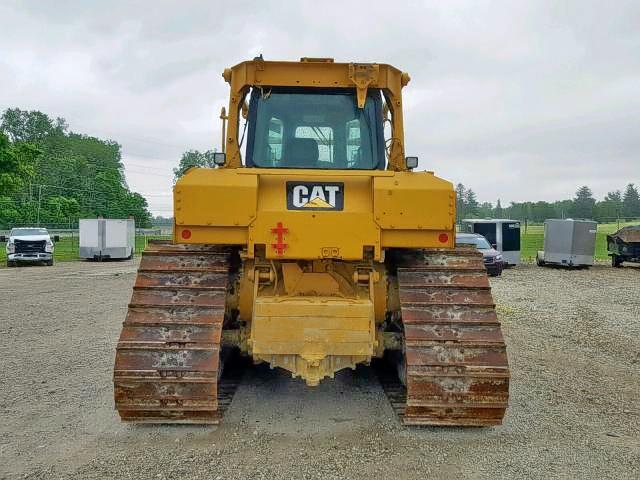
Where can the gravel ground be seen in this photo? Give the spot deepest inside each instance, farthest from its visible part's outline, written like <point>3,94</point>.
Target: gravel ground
<point>574,343</point>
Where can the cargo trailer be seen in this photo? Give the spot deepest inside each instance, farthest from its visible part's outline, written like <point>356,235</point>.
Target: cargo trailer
<point>568,242</point>
<point>503,234</point>
<point>107,238</point>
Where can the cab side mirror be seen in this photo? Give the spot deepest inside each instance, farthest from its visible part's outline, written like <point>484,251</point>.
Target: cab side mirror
<point>56,238</point>
<point>411,162</point>
<point>219,158</point>
<point>494,245</point>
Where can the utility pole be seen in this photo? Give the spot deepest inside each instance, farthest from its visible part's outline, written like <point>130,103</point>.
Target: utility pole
<point>39,200</point>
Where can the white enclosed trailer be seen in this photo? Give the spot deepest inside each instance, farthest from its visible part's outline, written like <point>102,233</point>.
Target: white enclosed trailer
<point>102,238</point>
<point>568,242</point>
<point>503,233</point>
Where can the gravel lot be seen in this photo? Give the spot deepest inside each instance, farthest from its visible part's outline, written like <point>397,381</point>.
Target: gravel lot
<point>574,348</point>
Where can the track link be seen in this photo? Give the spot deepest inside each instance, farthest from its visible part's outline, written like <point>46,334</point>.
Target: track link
<point>455,365</point>
<point>168,361</point>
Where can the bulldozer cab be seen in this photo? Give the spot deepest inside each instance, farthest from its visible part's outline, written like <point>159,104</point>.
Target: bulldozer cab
<point>315,129</point>
<point>314,114</point>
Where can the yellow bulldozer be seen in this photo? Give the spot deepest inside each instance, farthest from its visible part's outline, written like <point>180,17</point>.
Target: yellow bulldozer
<point>314,246</point>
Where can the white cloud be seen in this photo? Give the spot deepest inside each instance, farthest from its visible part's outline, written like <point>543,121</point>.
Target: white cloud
<point>517,101</point>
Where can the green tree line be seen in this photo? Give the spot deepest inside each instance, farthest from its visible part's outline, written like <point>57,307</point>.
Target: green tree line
<point>619,204</point>
<point>50,175</point>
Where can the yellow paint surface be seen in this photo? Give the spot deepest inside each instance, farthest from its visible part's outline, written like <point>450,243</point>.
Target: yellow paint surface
<point>382,209</point>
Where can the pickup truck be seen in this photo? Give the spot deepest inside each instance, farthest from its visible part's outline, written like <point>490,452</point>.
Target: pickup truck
<point>29,245</point>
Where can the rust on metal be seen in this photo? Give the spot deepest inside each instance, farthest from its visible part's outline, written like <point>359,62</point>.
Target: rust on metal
<point>167,362</point>
<point>455,365</point>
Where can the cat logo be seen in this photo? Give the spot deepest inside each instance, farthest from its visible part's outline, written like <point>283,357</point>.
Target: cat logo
<point>315,196</point>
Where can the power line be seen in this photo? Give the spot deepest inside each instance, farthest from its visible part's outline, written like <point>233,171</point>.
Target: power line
<point>141,139</point>
<point>40,185</point>
<point>153,174</point>
<point>144,155</point>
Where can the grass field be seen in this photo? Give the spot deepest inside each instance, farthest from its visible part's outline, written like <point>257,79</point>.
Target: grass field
<point>532,240</point>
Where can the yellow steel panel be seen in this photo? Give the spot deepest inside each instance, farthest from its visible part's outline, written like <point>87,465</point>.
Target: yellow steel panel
<point>382,209</point>
<point>309,74</point>
<point>211,235</point>
<point>315,348</point>
<point>310,233</point>
<point>215,197</point>
<point>414,201</point>
<point>318,307</point>
<point>313,235</point>
<point>326,339</point>
<point>312,326</point>
<point>417,239</point>
<point>286,329</point>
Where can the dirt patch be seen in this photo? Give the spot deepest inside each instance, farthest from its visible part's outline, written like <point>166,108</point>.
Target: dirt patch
<point>573,339</point>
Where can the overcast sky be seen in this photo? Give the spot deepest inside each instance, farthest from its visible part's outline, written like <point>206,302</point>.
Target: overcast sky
<point>517,100</point>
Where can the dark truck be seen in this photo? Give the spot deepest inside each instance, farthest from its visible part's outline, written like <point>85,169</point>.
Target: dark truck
<point>29,245</point>
<point>624,245</point>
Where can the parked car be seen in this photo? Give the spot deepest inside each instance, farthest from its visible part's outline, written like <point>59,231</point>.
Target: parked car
<point>29,245</point>
<point>493,261</point>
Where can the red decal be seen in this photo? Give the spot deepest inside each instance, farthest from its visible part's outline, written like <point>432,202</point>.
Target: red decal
<point>280,246</point>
